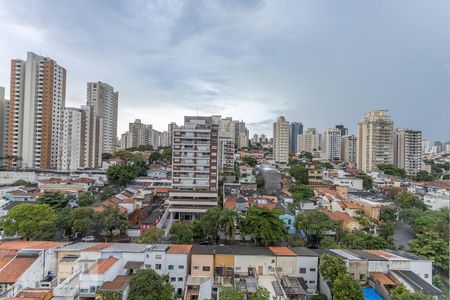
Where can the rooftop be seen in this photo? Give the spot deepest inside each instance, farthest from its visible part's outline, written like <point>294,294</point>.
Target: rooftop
<point>19,245</point>
<point>417,282</point>
<point>118,284</point>
<point>15,268</point>
<point>102,265</point>
<point>179,249</point>
<point>282,251</point>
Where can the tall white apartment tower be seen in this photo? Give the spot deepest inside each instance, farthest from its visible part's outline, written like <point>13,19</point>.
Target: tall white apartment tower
<point>4,111</point>
<point>73,139</point>
<point>226,145</point>
<point>104,100</point>
<point>37,99</point>
<point>348,149</point>
<point>408,150</point>
<point>170,129</point>
<point>309,141</point>
<point>332,144</point>
<point>375,141</point>
<point>281,140</point>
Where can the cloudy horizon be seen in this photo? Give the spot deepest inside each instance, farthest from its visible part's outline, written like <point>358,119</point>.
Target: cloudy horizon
<point>321,63</point>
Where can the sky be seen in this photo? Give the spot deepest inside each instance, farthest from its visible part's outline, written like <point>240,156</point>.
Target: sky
<point>317,62</point>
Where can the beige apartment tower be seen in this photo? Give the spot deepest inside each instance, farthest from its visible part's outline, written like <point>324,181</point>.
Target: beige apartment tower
<point>408,150</point>
<point>281,140</point>
<point>375,141</point>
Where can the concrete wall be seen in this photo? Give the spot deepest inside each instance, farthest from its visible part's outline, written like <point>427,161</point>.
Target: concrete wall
<point>243,262</point>
<point>199,261</point>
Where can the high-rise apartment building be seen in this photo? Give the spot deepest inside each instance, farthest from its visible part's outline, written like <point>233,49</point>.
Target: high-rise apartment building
<point>93,146</point>
<point>37,98</point>
<point>408,150</point>
<point>281,140</point>
<point>4,115</point>
<point>308,141</point>
<point>375,141</point>
<point>332,143</point>
<point>348,149</point>
<point>104,100</point>
<point>342,129</point>
<point>226,131</point>
<point>194,168</point>
<point>73,139</point>
<point>170,129</point>
<point>295,129</point>
<point>241,135</point>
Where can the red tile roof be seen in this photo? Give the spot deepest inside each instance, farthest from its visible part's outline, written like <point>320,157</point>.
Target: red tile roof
<point>118,284</point>
<point>102,265</point>
<point>230,203</point>
<point>338,216</point>
<point>179,249</point>
<point>33,294</point>
<point>19,245</point>
<point>282,251</point>
<point>162,190</point>
<point>15,268</point>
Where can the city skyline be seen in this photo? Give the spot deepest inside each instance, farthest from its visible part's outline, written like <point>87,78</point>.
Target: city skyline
<point>316,74</point>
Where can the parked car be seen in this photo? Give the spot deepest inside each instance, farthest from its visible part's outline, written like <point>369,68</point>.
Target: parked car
<point>88,238</point>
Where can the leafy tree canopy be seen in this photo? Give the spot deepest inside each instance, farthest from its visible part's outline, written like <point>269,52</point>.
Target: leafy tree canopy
<point>148,285</point>
<point>207,226</point>
<point>389,169</point>
<point>300,173</point>
<point>331,267</point>
<point>423,176</point>
<point>431,246</point>
<point>111,219</point>
<point>152,235</point>
<point>228,293</point>
<point>251,161</point>
<point>29,220</point>
<point>265,225</point>
<point>82,219</point>
<point>315,222</point>
<point>181,233</point>
<point>121,174</point>
<point>86,199</point>
<point>55,200</point>
<point>301,192</point>
<point>346,288</point>
<point>260,294</point>
<point>405,200</point>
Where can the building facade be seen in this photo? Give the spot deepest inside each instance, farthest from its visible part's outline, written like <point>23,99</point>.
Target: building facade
<point>408,150</point>
<point>348,149</point>
<point>4,109</point>
<point>332,144</point>
<point>295,129</point>
<point>73,139</point>
<point>104,100</point>
<point>375,141</point>
<point>37,98</point>
<point>281,140</point>
<point>308,141</point>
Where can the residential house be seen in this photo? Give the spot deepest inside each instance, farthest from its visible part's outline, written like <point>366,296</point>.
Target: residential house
<point>285,260</point>
<point>178,265</point>
<point>307,266</point>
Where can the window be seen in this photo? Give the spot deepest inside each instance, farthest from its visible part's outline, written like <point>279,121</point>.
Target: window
<point>312,281</point>
<point>180,279</point>
<point>425,275</point>
<point>181,267</point>
<point>312,269</point>
<point>206,268</point>
<point>158,256</point>
<point>173,279</point>
<point>170,267</point>
<point>362,276</point>
<point>195,267</point>
<point>279,269</point>
<point>158,267</point>
<point>302,270</point>
<point>238,268</point>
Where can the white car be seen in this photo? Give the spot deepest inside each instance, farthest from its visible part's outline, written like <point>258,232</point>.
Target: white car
<point>89,238</point>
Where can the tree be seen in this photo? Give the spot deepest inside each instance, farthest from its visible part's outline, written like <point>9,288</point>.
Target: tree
<point>400,292</point>
<point>328,242</point>
<point>301,192</point>
<point>327,165</point>
<point>181,234</point>
<point>423,176</point>
<point>227,221</point>
<point>146,284</point>
<point>167,154</point>
<point>389,169</point>
<point>319,297</point>
<point>106,156</point>
<point>264,225</point>
<point>207,226</point>
<point>387,214</point>
<point>108,191</point>
<point>346,288</point>
<point>405,200</point>
<point>29,220</point>
<point>154,156</point>
<point>331,267</point>
<point>152,235</point>
<point>306,155</point>
<point>82,218</point>
<point>260,294</point>
<point>428,220</point>
<point>367,181</point>
<point>314,223</point>
<point>121,174</point>
<point>86,199</point>
<point>431,246</point>
<point>363,240</point>
<point>140,167</point>
<point>55,200</point>
<point>111,219</point>
<point>228,293</point>
<point>300,173</point>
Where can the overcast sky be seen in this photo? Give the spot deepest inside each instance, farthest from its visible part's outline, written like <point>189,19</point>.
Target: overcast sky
<point>318,62</point>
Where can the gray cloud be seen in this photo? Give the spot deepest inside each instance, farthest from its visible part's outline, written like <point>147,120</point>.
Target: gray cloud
<point>318,62</point>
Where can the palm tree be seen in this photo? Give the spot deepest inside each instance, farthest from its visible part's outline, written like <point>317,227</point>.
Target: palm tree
<point>227,222</point>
